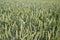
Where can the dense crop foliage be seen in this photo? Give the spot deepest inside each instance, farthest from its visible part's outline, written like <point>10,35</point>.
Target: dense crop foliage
<point>33,21</point>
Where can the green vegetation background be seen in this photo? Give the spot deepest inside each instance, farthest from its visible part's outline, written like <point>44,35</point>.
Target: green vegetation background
<point>29,20</point>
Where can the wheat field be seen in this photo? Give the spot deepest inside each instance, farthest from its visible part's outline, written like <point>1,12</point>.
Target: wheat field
<point>28,20</point>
